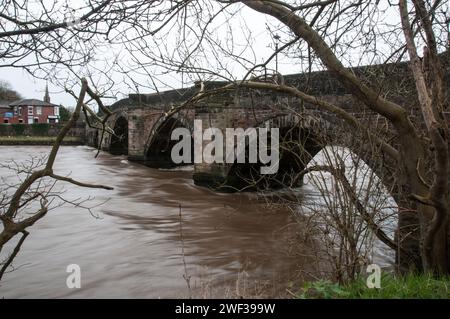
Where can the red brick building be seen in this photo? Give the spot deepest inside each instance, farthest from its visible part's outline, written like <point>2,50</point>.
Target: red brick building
<point>30,111</point>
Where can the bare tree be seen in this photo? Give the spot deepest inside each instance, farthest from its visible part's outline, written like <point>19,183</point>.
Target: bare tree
<point>354,216</point>
<point>184,36</point>
<point>45,39</point>
<point>25,203</point>
<point>326,30</point>
<point>428,192</point>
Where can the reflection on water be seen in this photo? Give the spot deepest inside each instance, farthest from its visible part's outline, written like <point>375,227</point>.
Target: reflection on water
<point>232,243</point>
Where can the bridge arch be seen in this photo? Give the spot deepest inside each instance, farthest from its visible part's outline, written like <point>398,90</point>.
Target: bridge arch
<point>119,141</point>
<point>299,143</point>
<point>302,137</point>
<point>159,144</point>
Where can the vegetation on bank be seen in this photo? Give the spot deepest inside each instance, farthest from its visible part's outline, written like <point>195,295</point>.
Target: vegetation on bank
<point>36,129</point>
<point>38,140</point>
<point>421,286</point>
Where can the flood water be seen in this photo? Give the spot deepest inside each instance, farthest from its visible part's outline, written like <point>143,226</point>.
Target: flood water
<point>131,246</point>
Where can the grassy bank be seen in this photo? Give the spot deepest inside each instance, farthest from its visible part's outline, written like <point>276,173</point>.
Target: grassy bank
<point>392,287</point>
<point>38,140</point>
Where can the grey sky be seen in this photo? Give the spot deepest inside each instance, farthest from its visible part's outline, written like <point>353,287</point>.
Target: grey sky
<point>30,87</point>
<point>262,47</point>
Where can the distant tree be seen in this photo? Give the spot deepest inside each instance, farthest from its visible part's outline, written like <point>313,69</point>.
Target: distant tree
<point>64,114</point>
<point>7,93</point>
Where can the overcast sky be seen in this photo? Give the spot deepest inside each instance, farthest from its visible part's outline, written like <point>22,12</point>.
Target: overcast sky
<point>30,87</point>
<point>263,47</point>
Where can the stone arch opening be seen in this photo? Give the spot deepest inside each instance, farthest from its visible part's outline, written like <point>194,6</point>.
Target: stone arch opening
<point>297,147</point>
<point>158,154</point>
<point>119,141</point>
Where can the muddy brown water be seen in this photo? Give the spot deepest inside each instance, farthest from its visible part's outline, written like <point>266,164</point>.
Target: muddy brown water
<point>131,247</point>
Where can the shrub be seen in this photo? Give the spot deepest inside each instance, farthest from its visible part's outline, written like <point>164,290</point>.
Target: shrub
<point>18,129</point>
<point>4,129</point>
<point>40,129</point>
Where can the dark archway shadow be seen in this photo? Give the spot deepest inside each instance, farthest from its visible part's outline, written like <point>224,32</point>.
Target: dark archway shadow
<point>297,147</point>
<point>119,141</point>
<point>158,154</point>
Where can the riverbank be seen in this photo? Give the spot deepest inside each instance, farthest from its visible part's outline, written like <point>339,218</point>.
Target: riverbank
<point>391,287</point>
<point>39,140</point>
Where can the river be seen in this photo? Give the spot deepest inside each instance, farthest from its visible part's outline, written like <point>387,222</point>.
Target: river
<point>131,246</point>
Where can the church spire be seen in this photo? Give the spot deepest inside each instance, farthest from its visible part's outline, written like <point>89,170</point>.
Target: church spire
<point>46,96</point>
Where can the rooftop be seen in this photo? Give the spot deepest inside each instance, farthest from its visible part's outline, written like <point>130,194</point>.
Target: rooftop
<point>31,102</point>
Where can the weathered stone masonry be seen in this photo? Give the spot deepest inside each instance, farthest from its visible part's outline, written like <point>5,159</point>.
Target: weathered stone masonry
<point>148,139</point>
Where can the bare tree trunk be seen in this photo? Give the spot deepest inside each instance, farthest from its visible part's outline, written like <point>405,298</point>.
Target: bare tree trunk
<point>429,207</point>
<point>429,84</point>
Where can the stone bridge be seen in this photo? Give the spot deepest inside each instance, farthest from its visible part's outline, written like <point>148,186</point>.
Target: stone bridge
<point>143,132</point>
